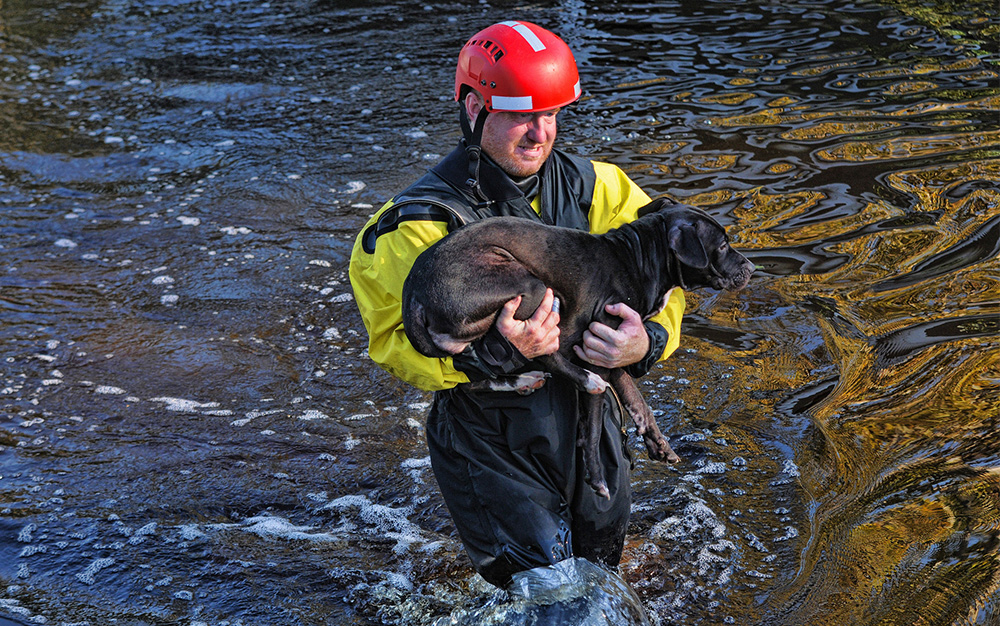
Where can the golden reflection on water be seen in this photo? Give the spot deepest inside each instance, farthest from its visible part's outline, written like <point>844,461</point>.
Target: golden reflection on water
<point>909,147</point>
<point>905,481</point>
<point>783,115</point>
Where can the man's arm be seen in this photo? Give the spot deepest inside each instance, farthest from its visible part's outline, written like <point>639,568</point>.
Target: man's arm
<point>377,280</point>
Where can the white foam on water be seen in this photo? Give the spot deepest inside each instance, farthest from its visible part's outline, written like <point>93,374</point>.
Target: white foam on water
<point>790,468</point>
<point>252,415</point>
<point>189,221</point>
<point>313,414</point>
<point>344,297</point>
<point>13,606</point>
<point>696,516</point>
<point>87,575</point>
<point>272,527</point>
<point>25,535</point>
<point>693,437</point>
<point>712,468</point>
<point>790,533</point>
<point>416,468</point>
<point>140,535</point>
<point>190,532</point>
<point>756,543</point>
<point>27,551</point>
<point>109,390</point>
<point>320,496</point>
<point>235,230</point>
<point>417,463</point>
<point>65,243</point>
<point>184,406</point>
<point>789,472</point>
<point>383,521</point>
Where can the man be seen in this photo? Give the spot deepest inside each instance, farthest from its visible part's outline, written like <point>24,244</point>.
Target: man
<point>508,464</point>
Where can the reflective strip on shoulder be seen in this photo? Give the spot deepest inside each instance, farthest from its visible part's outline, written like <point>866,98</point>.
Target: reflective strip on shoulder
<point>417,209</point>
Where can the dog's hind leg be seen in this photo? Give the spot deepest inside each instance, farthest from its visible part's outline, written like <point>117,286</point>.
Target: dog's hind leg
<point>523,383</point>
<point>589,440</point>
<point>637,408</point>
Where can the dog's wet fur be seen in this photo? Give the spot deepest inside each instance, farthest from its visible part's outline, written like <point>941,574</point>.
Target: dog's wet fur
<point>457,287</point>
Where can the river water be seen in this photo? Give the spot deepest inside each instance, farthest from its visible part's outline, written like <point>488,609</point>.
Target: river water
<point>191,432</point>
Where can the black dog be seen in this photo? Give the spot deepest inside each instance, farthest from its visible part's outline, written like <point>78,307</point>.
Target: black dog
<point>457,287</point>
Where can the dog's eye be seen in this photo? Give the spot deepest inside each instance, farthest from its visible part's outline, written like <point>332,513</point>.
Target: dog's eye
<point>724,246</point>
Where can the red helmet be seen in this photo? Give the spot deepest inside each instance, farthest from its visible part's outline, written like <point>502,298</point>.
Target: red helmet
<point>518,66</point>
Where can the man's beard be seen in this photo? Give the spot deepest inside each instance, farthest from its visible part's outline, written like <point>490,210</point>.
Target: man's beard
<point>516,168</point>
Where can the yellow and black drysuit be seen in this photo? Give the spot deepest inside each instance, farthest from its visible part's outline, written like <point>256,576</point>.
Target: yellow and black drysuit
<point>507,465</point>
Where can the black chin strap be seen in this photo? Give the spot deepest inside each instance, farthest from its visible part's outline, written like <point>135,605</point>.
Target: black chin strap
<point>473,148</point>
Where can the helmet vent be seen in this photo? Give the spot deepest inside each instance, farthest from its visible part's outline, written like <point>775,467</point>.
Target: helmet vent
<point>492,50</point>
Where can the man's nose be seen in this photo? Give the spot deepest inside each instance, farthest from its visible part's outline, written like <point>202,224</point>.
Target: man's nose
<point>540,127</point>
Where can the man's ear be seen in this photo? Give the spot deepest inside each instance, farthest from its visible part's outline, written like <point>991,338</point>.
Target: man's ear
<point>687,245</point>
<point>473,105</point>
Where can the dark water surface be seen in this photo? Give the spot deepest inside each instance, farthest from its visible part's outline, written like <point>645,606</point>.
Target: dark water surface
<point>191,432</point>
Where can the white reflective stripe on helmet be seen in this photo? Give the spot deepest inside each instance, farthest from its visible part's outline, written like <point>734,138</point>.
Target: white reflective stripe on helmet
<point>576,89</point>
<point>515,103</point>
<point>532,39</point>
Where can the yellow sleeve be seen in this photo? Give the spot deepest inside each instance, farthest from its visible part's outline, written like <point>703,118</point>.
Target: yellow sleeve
<point>377,281</point>
<point>617,200</point>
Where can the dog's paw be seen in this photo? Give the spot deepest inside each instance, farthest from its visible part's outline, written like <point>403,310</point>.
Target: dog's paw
<point>660,450</point>
<point>601,489</point>
<point>522,384</point>
<point>595,384</point>
<point>529,382</point>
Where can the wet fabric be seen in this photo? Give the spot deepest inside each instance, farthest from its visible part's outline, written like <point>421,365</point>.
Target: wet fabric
<point>513,478</point>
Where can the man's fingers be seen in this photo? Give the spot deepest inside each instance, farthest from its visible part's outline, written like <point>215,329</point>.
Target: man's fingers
<point>600,332</point>
<point>622,310</point>
<point>593,357</point>
<point>509,308</point>
<point>544,307</point>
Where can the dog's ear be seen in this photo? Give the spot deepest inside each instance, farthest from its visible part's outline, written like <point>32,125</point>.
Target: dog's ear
<point>687,245</point>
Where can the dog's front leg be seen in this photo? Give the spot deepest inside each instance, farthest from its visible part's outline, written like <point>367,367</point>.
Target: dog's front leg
<point>584,379</point>
<point>589,441</point>
<point>645,424</point>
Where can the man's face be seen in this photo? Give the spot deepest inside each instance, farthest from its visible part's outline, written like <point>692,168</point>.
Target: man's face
<point>519,142</point>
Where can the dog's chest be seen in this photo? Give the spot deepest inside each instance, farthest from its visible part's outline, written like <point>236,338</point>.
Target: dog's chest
<point>662,305</point>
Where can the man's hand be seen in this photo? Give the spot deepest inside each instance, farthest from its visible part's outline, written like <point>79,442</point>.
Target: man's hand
<point>606,347</point>
<point>536,336</point>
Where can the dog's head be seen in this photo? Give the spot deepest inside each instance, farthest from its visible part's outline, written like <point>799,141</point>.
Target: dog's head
<point>701,248</point>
